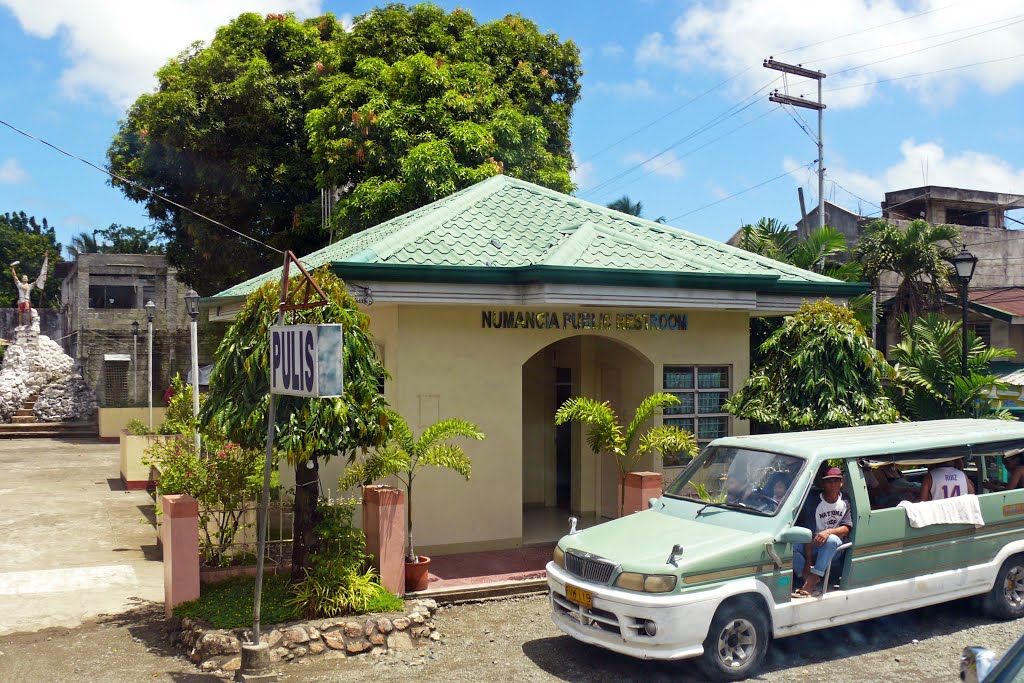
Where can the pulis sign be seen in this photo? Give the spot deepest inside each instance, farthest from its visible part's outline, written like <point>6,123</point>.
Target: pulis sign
<point>306,360</point>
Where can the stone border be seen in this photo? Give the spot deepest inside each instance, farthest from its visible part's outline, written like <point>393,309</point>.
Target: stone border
<point>220,649</point>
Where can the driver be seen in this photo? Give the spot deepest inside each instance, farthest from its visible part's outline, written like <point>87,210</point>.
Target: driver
<point>830,520</point>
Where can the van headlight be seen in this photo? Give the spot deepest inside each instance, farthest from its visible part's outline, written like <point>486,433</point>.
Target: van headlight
<point>646,583</point>
<point>558,557</point>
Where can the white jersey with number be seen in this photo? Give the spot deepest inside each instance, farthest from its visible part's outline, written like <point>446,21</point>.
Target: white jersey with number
<point>948,482</point>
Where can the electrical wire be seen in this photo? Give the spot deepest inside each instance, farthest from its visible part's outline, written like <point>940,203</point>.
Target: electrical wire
<point>140,187</point>
<point>924,73</point>
<point>744,191</point>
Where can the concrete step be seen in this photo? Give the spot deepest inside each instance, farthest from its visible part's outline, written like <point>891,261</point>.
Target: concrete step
<point>50,430</point>
<point>23,419</point>
<point>25,412</point>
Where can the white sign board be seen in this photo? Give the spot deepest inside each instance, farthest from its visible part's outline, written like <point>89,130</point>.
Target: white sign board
<point>306,360</point>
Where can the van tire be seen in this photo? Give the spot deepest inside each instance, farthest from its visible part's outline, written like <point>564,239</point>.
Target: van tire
<point>736,642</point>
<point>1006,599</point>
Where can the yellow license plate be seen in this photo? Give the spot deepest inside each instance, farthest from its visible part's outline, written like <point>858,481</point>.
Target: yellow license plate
<point>579,596</point>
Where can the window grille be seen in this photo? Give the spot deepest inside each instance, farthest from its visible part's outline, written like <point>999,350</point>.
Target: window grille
<point>702,391</point>
<point>115,382</point>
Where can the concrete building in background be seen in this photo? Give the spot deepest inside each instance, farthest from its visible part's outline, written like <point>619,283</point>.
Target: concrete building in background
<point>101,296</point>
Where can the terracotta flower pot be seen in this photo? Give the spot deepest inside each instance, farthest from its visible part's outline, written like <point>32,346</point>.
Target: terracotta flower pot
<point>417,574</point>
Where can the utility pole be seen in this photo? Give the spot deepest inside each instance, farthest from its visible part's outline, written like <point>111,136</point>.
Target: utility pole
<point>798,70</point>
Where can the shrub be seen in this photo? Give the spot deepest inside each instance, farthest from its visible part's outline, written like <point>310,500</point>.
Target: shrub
<point>138,428</point>
<point>178,419</point>
<point>223,483</point>
<point>228,604</point>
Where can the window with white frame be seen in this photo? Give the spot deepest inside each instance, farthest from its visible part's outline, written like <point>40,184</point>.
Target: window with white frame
<point>702,391</point>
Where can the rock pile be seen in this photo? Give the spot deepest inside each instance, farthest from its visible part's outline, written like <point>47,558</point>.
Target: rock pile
<point>220,650</point>
<point>41,367</point>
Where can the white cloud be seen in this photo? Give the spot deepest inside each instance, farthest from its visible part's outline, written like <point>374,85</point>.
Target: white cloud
<point>584,174</point>
<point>666,164</point>
<point>735,35</point>
<point>113,47</point>
<point>927,163</point>
<point>11,172</point>
<point>716,190</point>
<point>612,50</point>
<point>640,87</point>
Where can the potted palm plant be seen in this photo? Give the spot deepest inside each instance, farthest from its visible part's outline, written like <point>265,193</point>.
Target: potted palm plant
<point>403,456</point>
<point>606,434</point>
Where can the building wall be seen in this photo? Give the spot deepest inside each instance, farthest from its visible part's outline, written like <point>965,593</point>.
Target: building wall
<point>445,364</point>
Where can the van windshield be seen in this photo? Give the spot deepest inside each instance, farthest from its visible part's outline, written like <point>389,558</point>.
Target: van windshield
<point>738,478</point>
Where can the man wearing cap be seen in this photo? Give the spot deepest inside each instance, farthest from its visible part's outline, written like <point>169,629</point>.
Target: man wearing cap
<point>830,520</point>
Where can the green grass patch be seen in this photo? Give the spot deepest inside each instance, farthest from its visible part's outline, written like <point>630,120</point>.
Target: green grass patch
<point>228,604</point>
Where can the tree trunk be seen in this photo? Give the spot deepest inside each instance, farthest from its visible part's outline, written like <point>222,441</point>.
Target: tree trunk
<point>410,553</point>
<point>305,542</point>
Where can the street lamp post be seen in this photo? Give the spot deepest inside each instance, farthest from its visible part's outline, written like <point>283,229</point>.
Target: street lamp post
<point>150,313</point>
<point>135,361</point>
<point>964,263</point>
<point>192,306</point>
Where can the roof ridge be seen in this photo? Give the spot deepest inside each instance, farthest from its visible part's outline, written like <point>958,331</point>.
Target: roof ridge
<point>580,237</point>
<point>389,244</point>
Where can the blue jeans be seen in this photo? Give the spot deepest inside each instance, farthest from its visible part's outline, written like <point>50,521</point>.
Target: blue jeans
<point>822,556</point>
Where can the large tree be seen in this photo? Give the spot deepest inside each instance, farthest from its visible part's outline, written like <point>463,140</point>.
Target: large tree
<point>817,371</point>
<point>308,431</point>
<point>407,107</point>
<point>917,254</point>
<point>24,239</point>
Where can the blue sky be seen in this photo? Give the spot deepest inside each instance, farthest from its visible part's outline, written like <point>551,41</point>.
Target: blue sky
<point>904,107</point>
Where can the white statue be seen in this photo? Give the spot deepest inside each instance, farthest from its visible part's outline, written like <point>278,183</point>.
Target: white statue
<point>25,289</point>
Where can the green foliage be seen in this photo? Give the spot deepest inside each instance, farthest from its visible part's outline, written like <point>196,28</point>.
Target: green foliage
<point>403,456</point>
<point>929,384</point>
<point>124,239</point>
<point>817,371</point>
<point>410,105</point>
<point>23,239</point>
<point>226,484</point>
<point>337,583</point>
<point>138,428</point>
<point>306,429</point>
<point>606,434</point>
<point>228,604</point>
<point>626,205</point>
<point>918,254</point>
<point>178,418</point>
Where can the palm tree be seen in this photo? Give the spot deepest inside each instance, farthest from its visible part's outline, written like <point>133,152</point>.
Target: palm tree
<point>919,255</point>
<point>928,383</point>
<point>625,205</point>
<point>403,456</point>
<point>83,243</point>
<point>606,434</point>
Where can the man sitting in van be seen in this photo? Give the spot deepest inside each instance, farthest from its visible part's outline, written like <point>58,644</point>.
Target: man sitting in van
<point>945,481</point>
<point>829,518</point>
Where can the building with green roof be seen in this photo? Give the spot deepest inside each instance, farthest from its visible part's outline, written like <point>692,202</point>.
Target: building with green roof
<point>497,303</point>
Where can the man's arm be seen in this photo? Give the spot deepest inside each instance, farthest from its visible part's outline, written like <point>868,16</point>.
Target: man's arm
<point>970,485</point>
<point>926,488</point>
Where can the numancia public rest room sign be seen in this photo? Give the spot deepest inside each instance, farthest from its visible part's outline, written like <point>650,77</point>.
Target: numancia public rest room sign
<point>583,320</point>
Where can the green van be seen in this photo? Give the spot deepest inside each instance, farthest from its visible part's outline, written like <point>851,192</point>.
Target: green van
<point>707,571</point>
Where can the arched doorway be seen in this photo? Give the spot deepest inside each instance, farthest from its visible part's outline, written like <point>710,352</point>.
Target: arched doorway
<point>561,475</point>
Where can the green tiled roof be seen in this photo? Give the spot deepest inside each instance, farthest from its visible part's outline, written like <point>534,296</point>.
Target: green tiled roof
<point>509,231</point>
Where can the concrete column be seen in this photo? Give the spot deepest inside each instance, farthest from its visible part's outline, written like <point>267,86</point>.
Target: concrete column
<point>384,526</point>
<point>181,550</point>
<point>641,487</point>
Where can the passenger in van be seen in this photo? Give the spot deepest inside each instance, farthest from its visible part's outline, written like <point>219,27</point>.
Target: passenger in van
<point>829,517</point>
<point>945,481</point>
<point>1012,462</point>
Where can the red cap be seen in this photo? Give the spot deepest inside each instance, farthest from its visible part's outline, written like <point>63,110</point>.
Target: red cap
<point>833,473</point>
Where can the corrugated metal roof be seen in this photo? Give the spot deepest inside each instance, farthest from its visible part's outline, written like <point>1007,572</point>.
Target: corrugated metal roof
<point>899,437</point>
<point>505,223</point>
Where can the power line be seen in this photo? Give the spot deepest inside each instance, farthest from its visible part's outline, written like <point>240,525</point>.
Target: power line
<point>138,186</point>
<point>926,73</point>
<point>744,191</point>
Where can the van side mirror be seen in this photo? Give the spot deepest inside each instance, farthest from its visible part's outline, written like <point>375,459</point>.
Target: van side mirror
<point>795,534</point>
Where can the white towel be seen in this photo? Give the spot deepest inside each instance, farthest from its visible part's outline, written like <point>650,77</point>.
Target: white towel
<point>957,510</point>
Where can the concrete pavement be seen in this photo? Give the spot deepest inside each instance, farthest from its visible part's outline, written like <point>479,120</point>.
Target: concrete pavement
<point>73,543</point>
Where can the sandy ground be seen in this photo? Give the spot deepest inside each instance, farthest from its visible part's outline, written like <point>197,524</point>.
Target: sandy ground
<point>514,640</point>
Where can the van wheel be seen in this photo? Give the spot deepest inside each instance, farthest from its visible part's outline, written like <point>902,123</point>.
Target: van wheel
<point>736,643</point>
<point>1006,599</point>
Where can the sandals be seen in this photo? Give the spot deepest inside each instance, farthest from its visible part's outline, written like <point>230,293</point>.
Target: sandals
<point>801,593</point>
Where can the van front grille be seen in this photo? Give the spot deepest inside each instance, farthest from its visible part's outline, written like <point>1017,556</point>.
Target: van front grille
<point>589,567</point>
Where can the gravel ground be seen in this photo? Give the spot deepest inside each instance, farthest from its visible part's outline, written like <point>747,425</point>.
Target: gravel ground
<point>514,640</point>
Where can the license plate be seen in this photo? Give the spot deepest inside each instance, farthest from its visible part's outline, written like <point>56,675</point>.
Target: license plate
<point>579,596</point>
